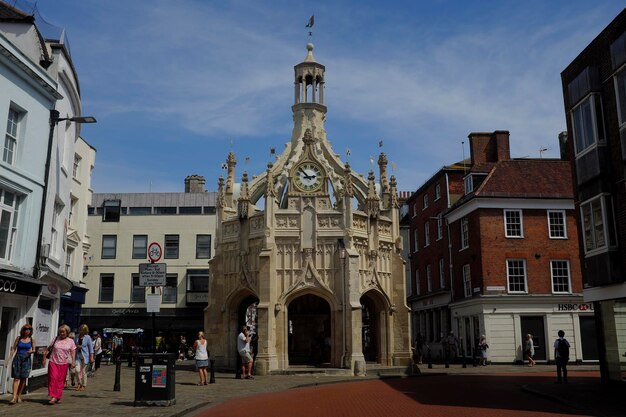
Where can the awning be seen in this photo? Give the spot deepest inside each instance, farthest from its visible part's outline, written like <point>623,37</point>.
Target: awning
<point>51,277</point>
<point>12,282</point>
<point>116,330</point>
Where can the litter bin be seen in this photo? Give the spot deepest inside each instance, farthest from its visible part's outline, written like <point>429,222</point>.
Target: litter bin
<point>155,379</point>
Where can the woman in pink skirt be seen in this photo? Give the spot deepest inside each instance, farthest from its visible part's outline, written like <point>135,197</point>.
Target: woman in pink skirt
<point>61,348</point>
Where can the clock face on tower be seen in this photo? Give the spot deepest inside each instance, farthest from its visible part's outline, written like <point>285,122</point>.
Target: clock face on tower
<point>308,177</point>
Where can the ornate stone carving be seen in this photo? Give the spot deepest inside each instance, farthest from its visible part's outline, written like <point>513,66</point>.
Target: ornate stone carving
<point>270,192</point>
<point>221,200</point>
<point>347,181</point>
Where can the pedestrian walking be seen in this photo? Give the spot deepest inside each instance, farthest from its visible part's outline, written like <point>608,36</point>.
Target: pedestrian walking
<point>97,350</point>
<point>182,348</point>
<point>202,358</point>
<point>118,345</point>
<point>452,344</point>
<point>59,350</point>
<point>561,355</point>
<point>22,348</point>
<point>483,347</point>
<point>529,349</point>
<point>417,349</point>
<point>84,356</point>
<point>243,347</point>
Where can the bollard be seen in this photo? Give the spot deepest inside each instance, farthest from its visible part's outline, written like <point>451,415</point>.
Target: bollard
<point>118,371</point>
<point>430,360</point>
<point>463,357</point>
<point>212,378</point>
<point>130,359</point>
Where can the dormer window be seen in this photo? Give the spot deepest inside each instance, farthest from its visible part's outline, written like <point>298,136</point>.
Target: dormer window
<point>473,181</point>
<point>469,184</point>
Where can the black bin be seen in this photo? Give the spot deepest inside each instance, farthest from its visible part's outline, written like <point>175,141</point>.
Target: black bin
<point>155,379</point>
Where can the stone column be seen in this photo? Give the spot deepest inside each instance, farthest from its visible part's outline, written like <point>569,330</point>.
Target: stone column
<point>321,92</point>
<point>296,98</point>
<point>313,88</point>
<point>610,370</point>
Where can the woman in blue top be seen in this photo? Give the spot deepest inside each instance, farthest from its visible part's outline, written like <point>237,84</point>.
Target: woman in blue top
<point>23,347</point>
<point>84,355</point>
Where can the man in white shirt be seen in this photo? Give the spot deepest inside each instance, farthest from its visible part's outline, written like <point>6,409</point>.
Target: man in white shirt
<point>243,347</point>
<point>97,350</point>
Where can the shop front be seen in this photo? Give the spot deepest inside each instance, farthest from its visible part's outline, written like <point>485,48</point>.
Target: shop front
<point>19,295</point>
<point>506,322</point>
<point>171,323</point>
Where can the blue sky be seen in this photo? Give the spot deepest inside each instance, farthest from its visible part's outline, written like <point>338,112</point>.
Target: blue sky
<point>177,84</point>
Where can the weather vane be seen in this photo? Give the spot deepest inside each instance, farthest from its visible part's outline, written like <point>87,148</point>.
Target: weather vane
<point>310,24</point>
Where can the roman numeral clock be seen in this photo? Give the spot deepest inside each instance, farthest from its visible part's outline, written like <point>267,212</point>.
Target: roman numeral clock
<point>308,177</point>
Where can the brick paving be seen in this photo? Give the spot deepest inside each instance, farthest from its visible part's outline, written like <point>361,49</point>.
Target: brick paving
<point>483,391</point>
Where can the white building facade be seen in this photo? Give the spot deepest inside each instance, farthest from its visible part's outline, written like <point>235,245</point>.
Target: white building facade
<point>120,228</point>
<point>36,77</point>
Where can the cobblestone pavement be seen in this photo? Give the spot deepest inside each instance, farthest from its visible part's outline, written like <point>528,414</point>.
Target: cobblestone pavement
<point>193,400</point>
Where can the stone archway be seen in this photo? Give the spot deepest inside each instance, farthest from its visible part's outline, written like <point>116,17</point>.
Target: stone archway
<point>309,331</point>
<point>374,327</point>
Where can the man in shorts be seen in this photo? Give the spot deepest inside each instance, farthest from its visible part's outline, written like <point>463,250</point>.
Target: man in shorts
<point>243,347</point>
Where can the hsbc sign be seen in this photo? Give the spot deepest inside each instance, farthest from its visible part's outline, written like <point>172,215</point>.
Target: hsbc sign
<point>568,307</point>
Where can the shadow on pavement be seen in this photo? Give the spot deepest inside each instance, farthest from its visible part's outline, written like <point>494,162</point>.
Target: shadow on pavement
<point>504,392</point>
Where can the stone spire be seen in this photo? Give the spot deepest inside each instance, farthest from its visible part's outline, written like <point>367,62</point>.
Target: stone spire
<point>347,181</point>
<point>244,198</point>
<point>393,191</point>
<point>231,162</point>
<point>372,202</point>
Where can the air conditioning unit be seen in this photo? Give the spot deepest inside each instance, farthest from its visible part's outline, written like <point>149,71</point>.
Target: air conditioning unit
<point>45,250</point>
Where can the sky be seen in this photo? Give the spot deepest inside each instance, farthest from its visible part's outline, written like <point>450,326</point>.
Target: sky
<point>176,85</point>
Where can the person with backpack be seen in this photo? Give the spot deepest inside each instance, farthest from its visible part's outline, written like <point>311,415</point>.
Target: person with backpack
<point>561,355</point>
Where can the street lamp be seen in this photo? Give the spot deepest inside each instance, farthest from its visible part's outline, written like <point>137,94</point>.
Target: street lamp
<point>54,120</point>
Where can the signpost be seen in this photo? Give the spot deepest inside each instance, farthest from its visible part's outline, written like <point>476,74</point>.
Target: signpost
<point>153,275</point>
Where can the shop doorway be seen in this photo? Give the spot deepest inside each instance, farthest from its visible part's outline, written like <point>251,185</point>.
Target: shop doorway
<point>8,317</point>
<point>309,331</point>
<point>588,338</point>
<point>535,326</point>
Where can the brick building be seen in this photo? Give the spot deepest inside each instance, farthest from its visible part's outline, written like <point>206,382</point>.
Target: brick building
<point>428,276</point>
<point>511,266</point>
<point>594,92</point>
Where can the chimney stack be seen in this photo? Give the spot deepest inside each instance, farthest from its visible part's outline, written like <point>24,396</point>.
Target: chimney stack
<point>194,184</point>
<point>486,147</point>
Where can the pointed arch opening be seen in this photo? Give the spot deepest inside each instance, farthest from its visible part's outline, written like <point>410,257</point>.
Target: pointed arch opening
<point>309,331</point>
<point>374,326</point>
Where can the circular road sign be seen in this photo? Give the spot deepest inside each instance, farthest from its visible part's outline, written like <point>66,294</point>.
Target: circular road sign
<point>155,252</point>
